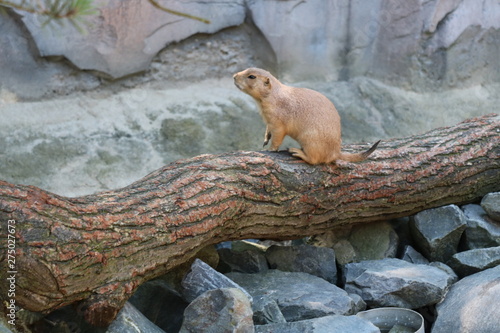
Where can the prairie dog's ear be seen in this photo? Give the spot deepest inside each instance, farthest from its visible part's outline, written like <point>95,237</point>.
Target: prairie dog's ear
<point>267,82</point>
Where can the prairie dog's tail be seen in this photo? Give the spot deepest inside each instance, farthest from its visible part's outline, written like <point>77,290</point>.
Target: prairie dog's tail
<point>360,156</point>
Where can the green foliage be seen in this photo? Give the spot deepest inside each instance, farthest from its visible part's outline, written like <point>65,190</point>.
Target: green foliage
<point>73,11</point>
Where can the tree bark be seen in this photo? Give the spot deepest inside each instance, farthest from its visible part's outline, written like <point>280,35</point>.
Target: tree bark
<point>99,248</point>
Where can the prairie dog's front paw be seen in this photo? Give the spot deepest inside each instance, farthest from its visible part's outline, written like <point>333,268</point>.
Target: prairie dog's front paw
<point>267,137</point>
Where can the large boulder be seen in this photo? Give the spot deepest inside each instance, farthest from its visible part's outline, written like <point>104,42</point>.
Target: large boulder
<point>471,305</point>
<point>491,204</point>
<point>314,260</point>
<point>250,261</point>
<point>413,43</point>
<point>481,230</point>
<point>473,261</point>
<point>437,231</point>
<point>123,36</point>
<point>395,282</point>
<point>298,295</point>
<point>129,319</point>
<point>203,278</point>
<point>225,310</point>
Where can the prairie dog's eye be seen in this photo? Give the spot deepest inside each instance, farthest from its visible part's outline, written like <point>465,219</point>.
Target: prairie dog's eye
<point>251,77</point>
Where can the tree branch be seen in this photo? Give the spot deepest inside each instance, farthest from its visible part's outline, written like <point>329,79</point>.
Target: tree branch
<point>99,248</point>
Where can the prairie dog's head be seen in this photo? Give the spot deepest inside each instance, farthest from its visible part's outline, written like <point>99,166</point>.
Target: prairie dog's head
<point>256,82</point>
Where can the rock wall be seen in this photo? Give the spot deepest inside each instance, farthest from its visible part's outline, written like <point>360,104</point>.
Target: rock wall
<point>419,44</point>
<point>141,88</point>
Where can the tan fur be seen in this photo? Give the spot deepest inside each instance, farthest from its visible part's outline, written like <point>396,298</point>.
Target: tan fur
<point>303,114</point>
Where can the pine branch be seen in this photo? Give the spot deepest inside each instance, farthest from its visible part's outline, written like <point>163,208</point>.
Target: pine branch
<point>75,9</point>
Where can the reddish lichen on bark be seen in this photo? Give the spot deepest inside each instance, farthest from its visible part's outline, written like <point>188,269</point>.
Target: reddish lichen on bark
<point>99,248</point>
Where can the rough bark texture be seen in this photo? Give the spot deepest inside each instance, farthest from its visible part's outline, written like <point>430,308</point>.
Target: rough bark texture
<point>99,248</point>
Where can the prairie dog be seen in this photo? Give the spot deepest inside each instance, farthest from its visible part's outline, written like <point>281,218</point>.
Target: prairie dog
<point>303,114</point>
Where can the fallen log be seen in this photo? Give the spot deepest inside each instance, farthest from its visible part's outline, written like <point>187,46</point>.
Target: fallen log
<point>97,249</point>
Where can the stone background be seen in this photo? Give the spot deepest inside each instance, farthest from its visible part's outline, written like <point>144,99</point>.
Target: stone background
<point>139,88</point>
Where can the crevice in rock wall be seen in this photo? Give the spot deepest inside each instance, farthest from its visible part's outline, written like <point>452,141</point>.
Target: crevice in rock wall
<point>261,45</point>
<point>344,74</point>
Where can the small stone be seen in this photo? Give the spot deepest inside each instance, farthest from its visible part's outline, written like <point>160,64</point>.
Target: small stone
<point>344,252</point>
<point>471,305</point>
<point>481,230</point>
<point>326,324</point>
<point>437,231</point>
<point>359,304</point>
<point>266,311</point>
<point>476,260</point>
<point>396,283</point>
<point>314,260</point>
<point>413,256</point>
<point>250,261</point>
<point>202,278</point>
<point>298,295</point>
<point>129,319</point>
<point>225,310</point>
<point>491,204</point>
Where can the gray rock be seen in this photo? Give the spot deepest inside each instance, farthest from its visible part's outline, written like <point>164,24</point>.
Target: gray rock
<point>470,305</point>
<point>344,251</point>
<point>437,231</point>
<point>124,36</point>
<point>266,311</point>
<point>366,241</point>
<point>359,304</point>
<point>326,324</point>
<point>337,40</point>
<point>129,319</point>
<point>26,75</point>
<point>161,304</point>
<point>298,295</point>
<point>411,44</point>
<point>491,204</point>
<point>395,282</point>
<point>202,278</point>
<point>373,241</point>
<point>413,256</point>
<point>447,269</point>
<point>317,261</point>
<point>251,261</point>
<point>481,230</point>
<point>476,260</point>
<point>225,310</point>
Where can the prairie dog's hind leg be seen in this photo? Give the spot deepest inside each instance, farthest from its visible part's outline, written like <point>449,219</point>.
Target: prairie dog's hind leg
<point>308,155</point>
<point>296,152</point>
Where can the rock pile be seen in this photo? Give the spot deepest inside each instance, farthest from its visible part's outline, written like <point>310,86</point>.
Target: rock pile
<point>443,263</point>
